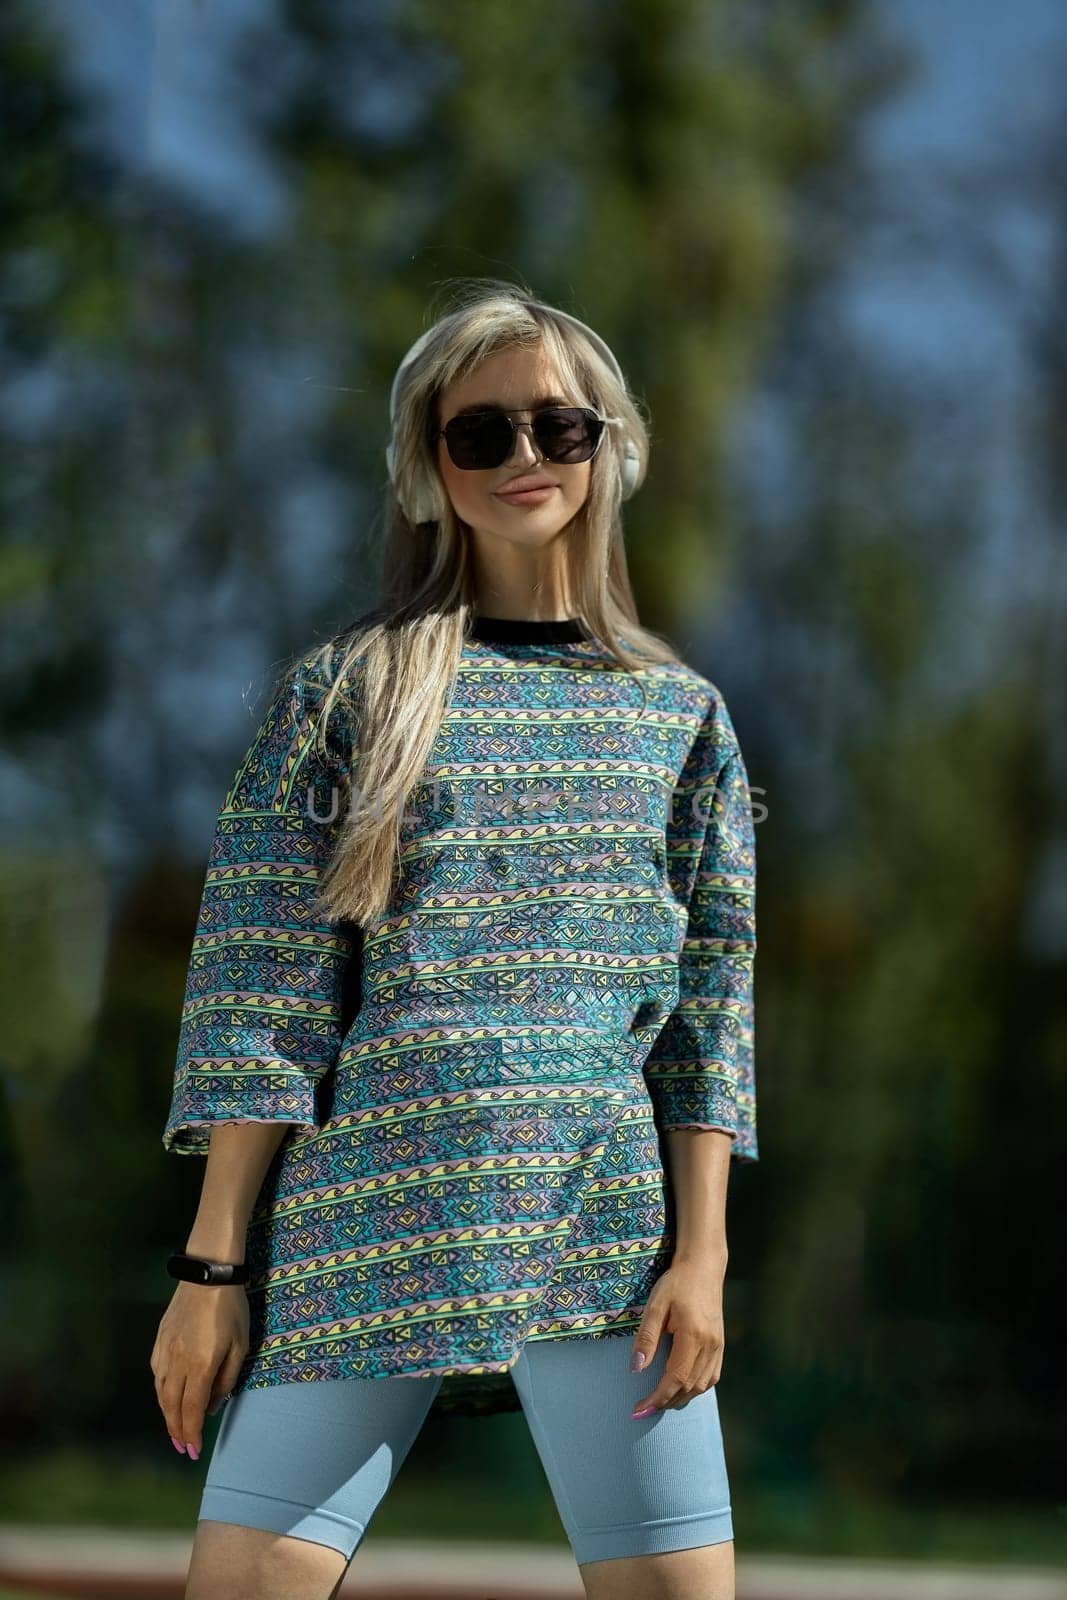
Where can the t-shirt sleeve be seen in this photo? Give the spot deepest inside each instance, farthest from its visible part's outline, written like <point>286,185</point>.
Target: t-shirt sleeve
<point>261,1021</point>
<point>701,1068</point>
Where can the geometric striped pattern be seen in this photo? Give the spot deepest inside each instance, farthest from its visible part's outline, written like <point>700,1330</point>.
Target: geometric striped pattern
<point>565,970</point>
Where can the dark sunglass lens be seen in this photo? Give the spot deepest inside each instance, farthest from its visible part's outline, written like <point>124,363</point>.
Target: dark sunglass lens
<point>478,441</point>
<point>567,436</point>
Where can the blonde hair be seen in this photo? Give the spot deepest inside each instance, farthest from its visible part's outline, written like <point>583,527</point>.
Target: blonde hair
<point>402,657</point>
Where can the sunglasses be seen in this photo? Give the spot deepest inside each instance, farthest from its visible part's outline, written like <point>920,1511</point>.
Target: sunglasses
<point>565,435</point>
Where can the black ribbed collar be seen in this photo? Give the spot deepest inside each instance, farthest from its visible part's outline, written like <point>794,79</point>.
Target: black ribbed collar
<point>525,630</point>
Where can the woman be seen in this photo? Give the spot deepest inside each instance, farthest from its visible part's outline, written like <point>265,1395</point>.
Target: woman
<point>524,824</point>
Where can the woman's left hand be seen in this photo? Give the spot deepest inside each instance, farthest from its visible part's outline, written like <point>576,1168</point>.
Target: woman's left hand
<point>686,1302</point>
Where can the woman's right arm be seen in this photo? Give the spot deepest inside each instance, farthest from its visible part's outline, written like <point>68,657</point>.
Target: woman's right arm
<point>203,1334</point>
<point>262,1024</point>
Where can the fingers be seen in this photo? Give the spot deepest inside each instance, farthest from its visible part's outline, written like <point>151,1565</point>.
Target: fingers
<point>660,1397</point>
<point>704,1374</point>
<point>683,1359</point>
<point>195,1398</point>
<point>693,1366</point>
<point>226,1378</point>
<point>672,1383</point>
<point>169,1388</point>
<point>186,1398</point>
<point>648,1335</point>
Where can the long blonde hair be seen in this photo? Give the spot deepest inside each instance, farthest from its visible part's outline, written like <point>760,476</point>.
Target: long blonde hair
<point>402,657</point>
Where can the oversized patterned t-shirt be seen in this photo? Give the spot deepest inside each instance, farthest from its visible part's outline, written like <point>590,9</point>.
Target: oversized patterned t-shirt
<point>477,1081</point>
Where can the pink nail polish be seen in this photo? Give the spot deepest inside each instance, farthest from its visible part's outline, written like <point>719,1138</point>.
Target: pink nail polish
<point>177,1445</point>
<point>194,1455</point>
<point>638,1361</point>
<point>643,1413</point>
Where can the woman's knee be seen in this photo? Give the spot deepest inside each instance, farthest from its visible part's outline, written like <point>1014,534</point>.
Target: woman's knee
<point>231,1562</point>
<point>704,1572</point>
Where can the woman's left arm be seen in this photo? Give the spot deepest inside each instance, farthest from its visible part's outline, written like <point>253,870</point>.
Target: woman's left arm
<point>686,1300</point>
<point>699,1069</point>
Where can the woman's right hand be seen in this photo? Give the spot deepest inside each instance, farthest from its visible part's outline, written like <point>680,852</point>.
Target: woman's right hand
<point>201,1343</point>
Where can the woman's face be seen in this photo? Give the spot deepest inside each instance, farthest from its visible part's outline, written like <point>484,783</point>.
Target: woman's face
<point>516,380</point>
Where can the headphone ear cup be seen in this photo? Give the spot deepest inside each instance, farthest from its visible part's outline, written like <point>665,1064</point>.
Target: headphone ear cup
<point>422,507</point>
<point>631,469</point>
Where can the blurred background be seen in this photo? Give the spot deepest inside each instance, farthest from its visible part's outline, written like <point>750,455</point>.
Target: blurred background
<point>828,243</point>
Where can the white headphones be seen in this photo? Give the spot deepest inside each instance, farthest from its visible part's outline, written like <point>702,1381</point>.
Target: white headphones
<point>424,510</point>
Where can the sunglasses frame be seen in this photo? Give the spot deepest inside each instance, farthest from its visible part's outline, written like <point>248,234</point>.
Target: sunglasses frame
<point>496,411</point>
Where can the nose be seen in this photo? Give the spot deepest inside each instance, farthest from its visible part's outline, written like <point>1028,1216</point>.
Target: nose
<point>524,451</point>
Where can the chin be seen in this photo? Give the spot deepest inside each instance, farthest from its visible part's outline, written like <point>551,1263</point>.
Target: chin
<point>525,538</point>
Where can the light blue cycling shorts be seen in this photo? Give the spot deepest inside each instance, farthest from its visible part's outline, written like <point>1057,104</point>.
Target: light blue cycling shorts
<point>315,1460</point>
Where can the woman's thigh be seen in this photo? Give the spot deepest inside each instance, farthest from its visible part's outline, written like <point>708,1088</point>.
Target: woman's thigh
<point>623,1488</point>
<point>313,1460</point>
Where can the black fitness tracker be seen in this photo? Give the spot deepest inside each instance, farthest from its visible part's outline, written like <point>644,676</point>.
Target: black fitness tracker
<point>194,1269</point>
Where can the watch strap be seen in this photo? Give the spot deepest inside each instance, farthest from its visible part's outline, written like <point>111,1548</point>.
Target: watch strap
<point>195,1269</point>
